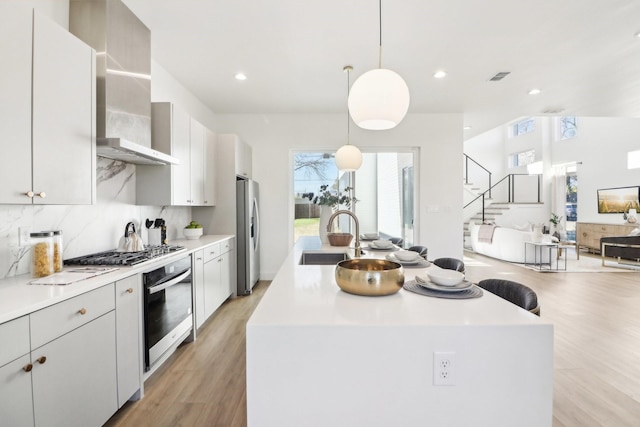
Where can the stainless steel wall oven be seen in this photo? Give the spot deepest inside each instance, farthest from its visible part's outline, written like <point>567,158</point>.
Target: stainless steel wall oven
<point>168,300</point>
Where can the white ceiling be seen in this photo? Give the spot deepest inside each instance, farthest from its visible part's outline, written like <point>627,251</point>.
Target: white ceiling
<point>582,54</point>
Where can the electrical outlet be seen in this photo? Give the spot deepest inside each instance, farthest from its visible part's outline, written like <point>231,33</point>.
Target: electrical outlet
<point>444,367</point>
<point>24,236</point>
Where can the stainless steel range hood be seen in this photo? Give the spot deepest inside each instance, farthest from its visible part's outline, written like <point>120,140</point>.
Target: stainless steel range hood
<point>123,71</point>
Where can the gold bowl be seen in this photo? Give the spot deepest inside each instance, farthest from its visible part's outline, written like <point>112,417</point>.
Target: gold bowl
<point>370,277</point>
<point>339,239</point>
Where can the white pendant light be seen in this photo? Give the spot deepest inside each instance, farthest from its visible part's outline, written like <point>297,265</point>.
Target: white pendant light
<point>348,157</point>
<point>379,98</point>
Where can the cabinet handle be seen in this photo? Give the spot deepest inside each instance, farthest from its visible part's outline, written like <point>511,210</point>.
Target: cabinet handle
<point>41,359</point>
<point>206,202</point>
<point>29,194</point>
<point>130,290</point>
<point>198,259</point>
<point>82,311</point>
<point>28,367</point>
<point>42,194</point>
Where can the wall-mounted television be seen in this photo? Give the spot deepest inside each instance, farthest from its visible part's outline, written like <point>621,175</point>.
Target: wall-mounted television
<point>618,200</point>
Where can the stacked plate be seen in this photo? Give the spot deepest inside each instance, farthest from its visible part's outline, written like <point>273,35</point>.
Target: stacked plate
<point>406,258</point>
<point>382,245</point>
<point>444,281</point>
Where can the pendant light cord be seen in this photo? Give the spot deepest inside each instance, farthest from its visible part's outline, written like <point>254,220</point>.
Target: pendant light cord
<point>348,69</point>
<point>380,33</point>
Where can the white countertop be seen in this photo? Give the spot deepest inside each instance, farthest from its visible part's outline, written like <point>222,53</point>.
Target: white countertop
<point>309,295</point>
<point>18,297</point>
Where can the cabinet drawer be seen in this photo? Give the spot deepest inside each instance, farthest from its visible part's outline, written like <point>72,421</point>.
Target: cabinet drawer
<point>227,246</point>
<point>52,322</point>
<point>15,332</point>
<point>211,252</point>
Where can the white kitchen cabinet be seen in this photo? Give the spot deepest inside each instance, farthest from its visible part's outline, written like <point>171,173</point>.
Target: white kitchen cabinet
<point>16,408</point>
<point>15,102</point>
<point>73,352</point>
<point>198,287</point>
<point>128,337</point>
<point>209,168</point>
<point>217,273</point>
<point>47,111</point>
<point>239,151</point>
<point>76,384</point>
<point>188,184</point>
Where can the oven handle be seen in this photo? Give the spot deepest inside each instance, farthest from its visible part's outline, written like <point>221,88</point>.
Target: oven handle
<point>153,289</point>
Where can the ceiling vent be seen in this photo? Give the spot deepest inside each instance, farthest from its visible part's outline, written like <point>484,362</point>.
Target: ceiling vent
<point>553,111</point>
<point>501,75</point>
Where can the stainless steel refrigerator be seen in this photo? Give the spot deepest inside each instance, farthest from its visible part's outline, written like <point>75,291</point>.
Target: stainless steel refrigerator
<point>247,235</point>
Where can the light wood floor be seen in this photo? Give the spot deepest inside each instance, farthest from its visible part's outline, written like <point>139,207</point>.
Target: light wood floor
<point>596,319</point>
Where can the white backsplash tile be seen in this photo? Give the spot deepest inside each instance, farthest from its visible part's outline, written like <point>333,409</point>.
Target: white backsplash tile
<point>86,229</point>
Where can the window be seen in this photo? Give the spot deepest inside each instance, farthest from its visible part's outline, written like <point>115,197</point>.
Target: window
<point>568,127</point>
<point>633,159</point>
<point>571,207</point>
<point>524,126</point>
<point>383,185</point>
<point>522,158</point>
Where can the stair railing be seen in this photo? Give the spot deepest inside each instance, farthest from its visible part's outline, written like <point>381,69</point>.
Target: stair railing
<point>511,186</point>
<point>466,171</point>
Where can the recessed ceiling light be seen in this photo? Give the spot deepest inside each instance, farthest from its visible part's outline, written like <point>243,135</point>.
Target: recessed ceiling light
<point>240,76</point>
<point>440,74</point>
<point>635,35</point>
<point>466,127</point>
<point>534,91</point>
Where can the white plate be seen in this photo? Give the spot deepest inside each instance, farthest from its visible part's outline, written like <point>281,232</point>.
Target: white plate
<point>375,248</point>
<point>462,286</point>
<point>392,257</point>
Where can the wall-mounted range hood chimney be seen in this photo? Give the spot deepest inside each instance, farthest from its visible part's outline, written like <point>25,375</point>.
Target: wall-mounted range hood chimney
<point>123,71</point>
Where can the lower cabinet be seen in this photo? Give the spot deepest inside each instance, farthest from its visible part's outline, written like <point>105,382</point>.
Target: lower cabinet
<point>74,376</point>
<point>16,408</point>
<point>73,363</point>
<point>213,286</point>
<point>213,290</point>
<point>128,337</point>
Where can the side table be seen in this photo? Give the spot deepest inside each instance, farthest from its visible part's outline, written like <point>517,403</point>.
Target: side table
<point>539,250</point>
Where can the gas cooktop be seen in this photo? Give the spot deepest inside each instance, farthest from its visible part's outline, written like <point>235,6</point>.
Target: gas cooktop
<point>114,257</point>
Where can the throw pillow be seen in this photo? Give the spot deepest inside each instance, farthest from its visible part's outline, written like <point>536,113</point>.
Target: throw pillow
<point>523,227</point>
<point>634,232</point>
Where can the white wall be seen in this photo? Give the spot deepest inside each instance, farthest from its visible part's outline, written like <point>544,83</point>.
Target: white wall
<point>602,145</point>
<point>274,137</point>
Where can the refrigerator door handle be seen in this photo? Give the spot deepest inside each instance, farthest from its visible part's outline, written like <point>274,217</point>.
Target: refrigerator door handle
<point>256,233</point>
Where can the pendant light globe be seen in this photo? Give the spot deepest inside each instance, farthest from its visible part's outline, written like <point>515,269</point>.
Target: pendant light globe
<point>348,158</point>
<point>379,99</point>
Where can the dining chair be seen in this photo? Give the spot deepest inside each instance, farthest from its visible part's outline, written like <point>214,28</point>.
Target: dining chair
<point>450,264</point>
<point>514,292</point>
<point>422,250</point>
<point>396,241</point>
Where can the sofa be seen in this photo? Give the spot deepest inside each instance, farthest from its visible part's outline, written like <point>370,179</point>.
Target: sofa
<point>507,244</point>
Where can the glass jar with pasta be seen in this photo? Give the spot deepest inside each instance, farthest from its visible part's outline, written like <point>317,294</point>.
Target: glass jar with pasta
<point>42,254</point>
<point>57,250</point>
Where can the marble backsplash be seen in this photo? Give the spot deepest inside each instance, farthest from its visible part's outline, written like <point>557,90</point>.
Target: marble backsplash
<point>86,229</point>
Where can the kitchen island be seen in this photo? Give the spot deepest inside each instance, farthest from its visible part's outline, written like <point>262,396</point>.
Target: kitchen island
<point>319,356</point>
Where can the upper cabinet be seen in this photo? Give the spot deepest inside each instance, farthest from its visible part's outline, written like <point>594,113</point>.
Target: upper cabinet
<point>47,111</point>
<point>243,155</point>
<point>191,183</point>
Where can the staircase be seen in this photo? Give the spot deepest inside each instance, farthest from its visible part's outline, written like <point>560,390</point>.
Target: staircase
<point>491,211</point>
<point>483,198</point>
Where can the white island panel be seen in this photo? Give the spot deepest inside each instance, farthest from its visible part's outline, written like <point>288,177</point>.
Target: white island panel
<point>319,356</point>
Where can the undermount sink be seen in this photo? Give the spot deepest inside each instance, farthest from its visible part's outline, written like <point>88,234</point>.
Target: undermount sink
<point>322,258</point>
